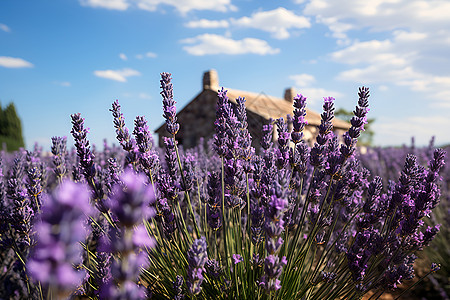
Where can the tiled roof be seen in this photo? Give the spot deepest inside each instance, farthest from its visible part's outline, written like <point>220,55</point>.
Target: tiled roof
<point>273,107</point>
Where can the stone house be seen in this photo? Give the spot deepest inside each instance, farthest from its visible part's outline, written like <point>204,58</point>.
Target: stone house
<point>197,117</point>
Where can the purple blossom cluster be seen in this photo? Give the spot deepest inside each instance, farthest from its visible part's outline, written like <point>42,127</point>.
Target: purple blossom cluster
<point>61,227</point>
<point>289,219</point>
<point>169,104</point>
<point>197,257</point>
<point>129,206</point>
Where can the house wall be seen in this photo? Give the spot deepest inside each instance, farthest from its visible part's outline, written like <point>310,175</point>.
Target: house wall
<point>196,120</point>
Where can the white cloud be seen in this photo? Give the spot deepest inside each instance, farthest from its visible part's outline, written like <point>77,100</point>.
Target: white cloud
<point>303,80</point>
<point>384,14</point>
<point>108,4</point>
<point>394,131</point>
<point>117,75</point>
<point>151,55</point>
<point>204,23</point>
<point>5,28</point>
<point>123,56</point>
<point>316,95</point>
<point>397,61</point>
<point>209,44</point>
<point>141,95</point>
<point>382,54</point>
<point>144,96</point>
<point>148,54</point>
<point>404,36</point>
<point>62,83</point>
<point>276,21</point>
<point>13,62</point>
<point>304,85</point>
<point>185,6</point>
<point>413,52</point>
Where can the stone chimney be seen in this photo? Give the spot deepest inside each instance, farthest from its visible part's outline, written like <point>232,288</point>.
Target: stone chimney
<point>211,80</point>
<point>289,94</point>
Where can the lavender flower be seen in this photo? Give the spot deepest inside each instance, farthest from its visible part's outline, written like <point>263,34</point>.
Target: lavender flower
<point>273,267</point>
<point>226,125</point>
<point>188,173</point>
<point>130,205</point>
<point>237,258</point>
<point>358,121</point>
<point>171,157</point>
<point>317,152</point>
<point>197,258</point>
<point>60,231</point>
<point>84,152</point>
<point>170,113</point>
<point>266,140</point>
<point>178,288</point>
<point>59,152</point>
<point>147,156</point>
<point>282,152</point>
<point>122,134</point>
<point>274,224</point>
<point>213,268</point>
<point>244,137</point>
<point>214,201</point>
<point>166,217</point>
<point>299,120</point>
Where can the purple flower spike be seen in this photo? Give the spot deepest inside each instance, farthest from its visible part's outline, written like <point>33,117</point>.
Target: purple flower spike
<point>214,200</point>
<point>197,258</point>
<point>283,143</point>
<point>84,152</point>
<point>221,138</point>
<point>299,120</point>
<point>325,128</point>
<point>131,203</point>
<point>213,268</point>
<point>358,121</point>
<point>178,288</point>
<point>60,231</point>
<point>266,141</point>
<point>170,113</point>
<point>59,155</point>
<point>273,267</point>
<point>123,135</point>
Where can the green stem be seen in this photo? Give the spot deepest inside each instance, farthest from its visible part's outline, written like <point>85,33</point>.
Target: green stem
<point>186,193</point>
<point>224,221</point>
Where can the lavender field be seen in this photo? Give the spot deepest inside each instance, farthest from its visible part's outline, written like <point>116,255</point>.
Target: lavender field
<point>225,220</point>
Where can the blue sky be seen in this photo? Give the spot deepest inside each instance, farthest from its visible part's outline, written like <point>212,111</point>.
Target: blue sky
<point>63,57</point>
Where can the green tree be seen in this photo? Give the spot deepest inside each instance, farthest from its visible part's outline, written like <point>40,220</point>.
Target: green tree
<point>10,128</point>
<point>366,137</point>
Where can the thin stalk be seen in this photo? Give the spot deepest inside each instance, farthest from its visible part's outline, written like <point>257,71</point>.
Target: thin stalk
<point>416,283</point>
<point>300,226</point>
<point>191,211</point>
<point>249,232</point>
<point>224,220</point>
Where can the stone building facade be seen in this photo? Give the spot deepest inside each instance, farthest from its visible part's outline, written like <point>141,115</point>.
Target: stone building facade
<point>197,117</point>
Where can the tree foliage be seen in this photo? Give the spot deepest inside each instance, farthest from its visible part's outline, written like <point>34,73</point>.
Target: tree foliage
<point>10,128</point>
